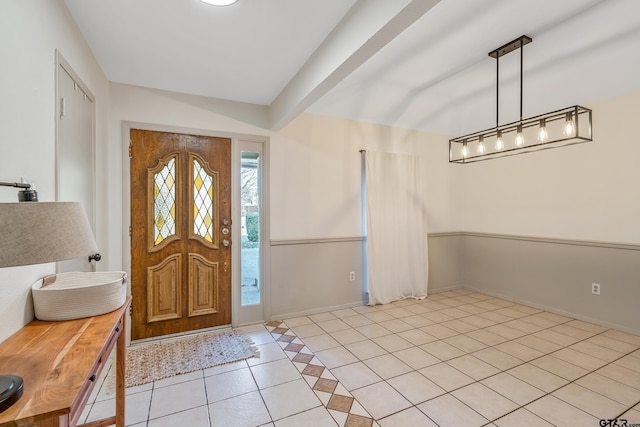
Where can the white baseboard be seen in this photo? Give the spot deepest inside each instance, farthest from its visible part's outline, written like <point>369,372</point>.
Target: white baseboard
<point>445,289</point>
<point>283,316</point>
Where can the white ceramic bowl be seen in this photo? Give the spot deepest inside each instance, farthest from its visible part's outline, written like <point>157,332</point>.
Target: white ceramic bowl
<point>75,295</point>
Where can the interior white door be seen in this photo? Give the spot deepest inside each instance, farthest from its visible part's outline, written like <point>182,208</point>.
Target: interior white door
<point>74,149</point>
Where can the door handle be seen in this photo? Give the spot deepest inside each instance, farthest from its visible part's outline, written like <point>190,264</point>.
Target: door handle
<point>226,242</point>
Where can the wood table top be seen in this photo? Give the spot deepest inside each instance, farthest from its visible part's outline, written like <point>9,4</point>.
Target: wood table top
<point>55,360</point>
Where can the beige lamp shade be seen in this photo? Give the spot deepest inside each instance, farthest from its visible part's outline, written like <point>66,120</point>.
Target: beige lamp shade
<point>41,232</point>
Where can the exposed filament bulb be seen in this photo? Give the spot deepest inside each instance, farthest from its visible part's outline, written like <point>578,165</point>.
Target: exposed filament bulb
<point>542,133</point>
<point>568,126</point>
<point>481,148</point>
<point>499,141</point>
<point>519,136</point>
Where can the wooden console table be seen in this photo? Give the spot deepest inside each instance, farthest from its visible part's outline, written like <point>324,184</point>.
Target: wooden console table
<point>60,363</point>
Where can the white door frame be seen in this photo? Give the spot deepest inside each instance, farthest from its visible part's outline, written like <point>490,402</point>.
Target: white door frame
<point>237,142</point>
<point>251,314</point>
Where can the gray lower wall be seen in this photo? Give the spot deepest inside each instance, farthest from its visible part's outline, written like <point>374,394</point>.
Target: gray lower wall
<point>311,276</point>
<point>557,275</point>
<point>445,266</point>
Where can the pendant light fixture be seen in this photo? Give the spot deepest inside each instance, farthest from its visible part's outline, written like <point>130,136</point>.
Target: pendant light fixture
<point>568,126</point>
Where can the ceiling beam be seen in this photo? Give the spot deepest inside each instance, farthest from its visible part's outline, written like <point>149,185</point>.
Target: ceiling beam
<point>366,28</point>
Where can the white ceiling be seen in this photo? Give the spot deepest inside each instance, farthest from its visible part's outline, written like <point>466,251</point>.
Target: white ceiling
<point>419,64</point>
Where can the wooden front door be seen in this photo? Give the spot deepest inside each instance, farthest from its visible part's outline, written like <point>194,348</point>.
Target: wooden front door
<point>180,233</point>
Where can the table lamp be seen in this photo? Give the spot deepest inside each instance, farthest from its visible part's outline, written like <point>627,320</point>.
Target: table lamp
<point>38,233</point>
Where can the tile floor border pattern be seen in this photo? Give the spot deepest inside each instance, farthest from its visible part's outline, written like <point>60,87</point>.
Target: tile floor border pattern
<point>336,338</point>
<point>283,335</point>
<point>341,404</point>
<point>367,420</point>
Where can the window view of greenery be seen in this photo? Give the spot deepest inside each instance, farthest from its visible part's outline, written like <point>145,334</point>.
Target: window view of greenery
<point>250,224</point>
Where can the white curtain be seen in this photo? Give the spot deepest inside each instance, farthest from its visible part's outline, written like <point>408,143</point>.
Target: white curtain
<point>396,224</point>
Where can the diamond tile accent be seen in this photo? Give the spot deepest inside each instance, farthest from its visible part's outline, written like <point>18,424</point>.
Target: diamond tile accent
<point>326,385</point>
<point>337,402</point>
<point>274,323</point>
<point>286,338</point>
<point>303,358</point>
<point>340,403</point>
<point>358,421</point>
<point>295,348</point>
<point>313,370</point>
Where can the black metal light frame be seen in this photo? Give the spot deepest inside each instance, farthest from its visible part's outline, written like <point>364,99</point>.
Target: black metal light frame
<point>476,146</point>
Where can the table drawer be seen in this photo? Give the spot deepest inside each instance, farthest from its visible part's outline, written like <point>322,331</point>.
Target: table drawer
<point>94,374</point>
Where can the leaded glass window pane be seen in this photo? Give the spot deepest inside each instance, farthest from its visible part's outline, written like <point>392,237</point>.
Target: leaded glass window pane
<point>164,202</point>
<point>202,202</point>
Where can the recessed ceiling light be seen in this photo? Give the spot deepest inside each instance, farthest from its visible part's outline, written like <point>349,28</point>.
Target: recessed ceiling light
<point>220,2</point>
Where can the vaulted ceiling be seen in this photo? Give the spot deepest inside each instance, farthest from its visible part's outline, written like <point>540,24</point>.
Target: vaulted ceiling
<point>419,64</point>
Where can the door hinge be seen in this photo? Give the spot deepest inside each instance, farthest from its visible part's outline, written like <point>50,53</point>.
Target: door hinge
<point>63,109</point>
<point>129,231</point>
<point>130,148</point>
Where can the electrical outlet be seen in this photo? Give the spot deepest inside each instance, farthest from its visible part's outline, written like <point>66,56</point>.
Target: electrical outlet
<point>595,288</point>
<point>352,276</point>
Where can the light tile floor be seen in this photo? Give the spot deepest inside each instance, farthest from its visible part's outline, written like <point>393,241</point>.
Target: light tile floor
<point>457,358</point>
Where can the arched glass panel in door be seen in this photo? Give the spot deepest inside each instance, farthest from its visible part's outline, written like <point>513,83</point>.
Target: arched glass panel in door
<point>164,201</point>
<point>204,202</point>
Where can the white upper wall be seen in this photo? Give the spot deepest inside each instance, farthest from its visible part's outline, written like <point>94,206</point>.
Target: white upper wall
<point>315,160</point>
<point>31,31</point>
<point>584,192</point>
<point>316,175</point>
